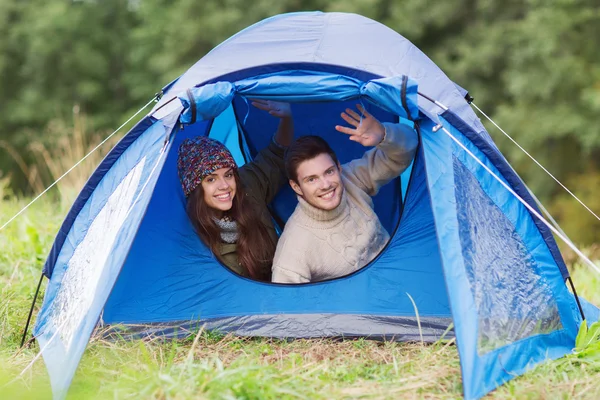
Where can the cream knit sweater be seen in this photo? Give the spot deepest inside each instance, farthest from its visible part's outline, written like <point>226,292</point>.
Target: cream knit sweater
<point>318,244</point>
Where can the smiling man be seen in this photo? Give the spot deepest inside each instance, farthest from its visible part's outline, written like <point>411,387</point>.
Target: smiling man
<point>334,230</point>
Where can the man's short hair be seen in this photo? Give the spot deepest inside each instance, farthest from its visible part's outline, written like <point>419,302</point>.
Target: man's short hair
<point>305,148</point>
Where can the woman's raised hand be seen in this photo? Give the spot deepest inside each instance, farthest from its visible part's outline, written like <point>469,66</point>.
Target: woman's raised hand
<point>367,130</point>
<point>277,109</point>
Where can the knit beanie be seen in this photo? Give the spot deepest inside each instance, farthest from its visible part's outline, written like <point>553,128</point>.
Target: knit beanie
<point>199,157</point>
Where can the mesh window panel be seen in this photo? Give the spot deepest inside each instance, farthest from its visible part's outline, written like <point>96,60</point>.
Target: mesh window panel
<point>83,275</point>
<point>513,300</point>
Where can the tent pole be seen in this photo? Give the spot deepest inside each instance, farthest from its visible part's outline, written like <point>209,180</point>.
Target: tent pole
<point>437,103</point>
<point>31,310</point>
<point>576,297</point>
<point>75,166</point>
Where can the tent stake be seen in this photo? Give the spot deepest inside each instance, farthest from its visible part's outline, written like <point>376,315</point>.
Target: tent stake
<point>31,310</point>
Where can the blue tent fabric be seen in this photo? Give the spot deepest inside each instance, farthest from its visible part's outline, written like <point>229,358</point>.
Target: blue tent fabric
<point>481,369</point>
<point>92,254</point>
<point>591,312</point>
<point>160,292</point>
<point>461,246</point>
<point>397,95</point>
<point>511,177</point>
<point>89,188</point>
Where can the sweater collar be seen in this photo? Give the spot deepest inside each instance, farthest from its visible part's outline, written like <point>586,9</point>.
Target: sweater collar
<point>317,214</point>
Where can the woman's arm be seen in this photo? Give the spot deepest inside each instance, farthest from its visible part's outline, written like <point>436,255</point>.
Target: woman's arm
<point>285,131</point>
<point>264,176</point>
<point>283,111</point>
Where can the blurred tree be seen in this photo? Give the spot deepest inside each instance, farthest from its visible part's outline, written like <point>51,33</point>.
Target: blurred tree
<point>532,65</point>
<point>574,219</point>
<point>71,53</point>
<point>61,55</point>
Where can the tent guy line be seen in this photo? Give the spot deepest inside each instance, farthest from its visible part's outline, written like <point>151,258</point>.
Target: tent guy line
<point>547,214</point>
<point>537,201</point>
<point>40,353</point>
<point>531,209</point>
<point>77,163</point>
<point>536,161</point>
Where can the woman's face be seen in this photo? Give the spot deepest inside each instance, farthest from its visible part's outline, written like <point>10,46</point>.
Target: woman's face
<point>219,189</point>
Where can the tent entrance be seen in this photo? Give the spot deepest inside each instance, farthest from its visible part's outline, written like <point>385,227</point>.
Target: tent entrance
<point>179,283</point>
<point>245,130</point>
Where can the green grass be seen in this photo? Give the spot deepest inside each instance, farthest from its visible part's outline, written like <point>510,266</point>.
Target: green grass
<point>227,367</point>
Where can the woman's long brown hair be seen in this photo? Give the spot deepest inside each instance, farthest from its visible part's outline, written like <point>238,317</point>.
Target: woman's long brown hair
<point>255,247</point>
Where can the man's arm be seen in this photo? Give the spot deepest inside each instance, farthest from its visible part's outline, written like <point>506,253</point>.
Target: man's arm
<point>395,148</point>
<point>264,175</point>
<point>282,275</point>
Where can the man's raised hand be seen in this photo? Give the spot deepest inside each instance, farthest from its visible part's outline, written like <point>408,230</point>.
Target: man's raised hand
<point>367,130</point>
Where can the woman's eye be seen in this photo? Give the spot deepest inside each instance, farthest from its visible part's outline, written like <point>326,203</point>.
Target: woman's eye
<point>229,175</point>
<point>210,180</point>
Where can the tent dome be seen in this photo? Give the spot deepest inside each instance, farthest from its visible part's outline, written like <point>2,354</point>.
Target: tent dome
<point>318,39</point>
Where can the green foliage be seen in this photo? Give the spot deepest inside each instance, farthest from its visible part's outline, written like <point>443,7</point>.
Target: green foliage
<point>575,219</point>
<point>587,344</point>
<point>586,280</point>
<point>24,247</point>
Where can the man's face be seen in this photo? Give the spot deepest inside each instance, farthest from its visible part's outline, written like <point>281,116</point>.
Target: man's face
<point>319,182</point>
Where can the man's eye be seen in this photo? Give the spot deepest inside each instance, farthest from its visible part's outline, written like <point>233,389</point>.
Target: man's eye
<point>329,172</point>
<point>311,180</point>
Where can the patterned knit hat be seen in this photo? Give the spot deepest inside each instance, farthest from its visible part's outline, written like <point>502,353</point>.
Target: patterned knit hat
<point>199,157</point>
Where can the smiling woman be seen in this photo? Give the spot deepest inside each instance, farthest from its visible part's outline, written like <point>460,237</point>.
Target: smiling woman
<point>219,190</point>
<point>227,205</point>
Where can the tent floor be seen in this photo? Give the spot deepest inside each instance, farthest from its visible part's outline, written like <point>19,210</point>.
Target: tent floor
<point>296,326</point>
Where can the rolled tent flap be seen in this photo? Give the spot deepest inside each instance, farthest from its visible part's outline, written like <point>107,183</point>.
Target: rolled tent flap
<point>205,102</point>
<point>384,92</point>
<point>397,95</point>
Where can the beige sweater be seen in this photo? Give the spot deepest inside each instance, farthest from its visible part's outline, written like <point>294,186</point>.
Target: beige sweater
<point>318,244</point>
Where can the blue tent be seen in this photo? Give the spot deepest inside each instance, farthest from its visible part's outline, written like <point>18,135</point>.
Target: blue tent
<point>463,248</point>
